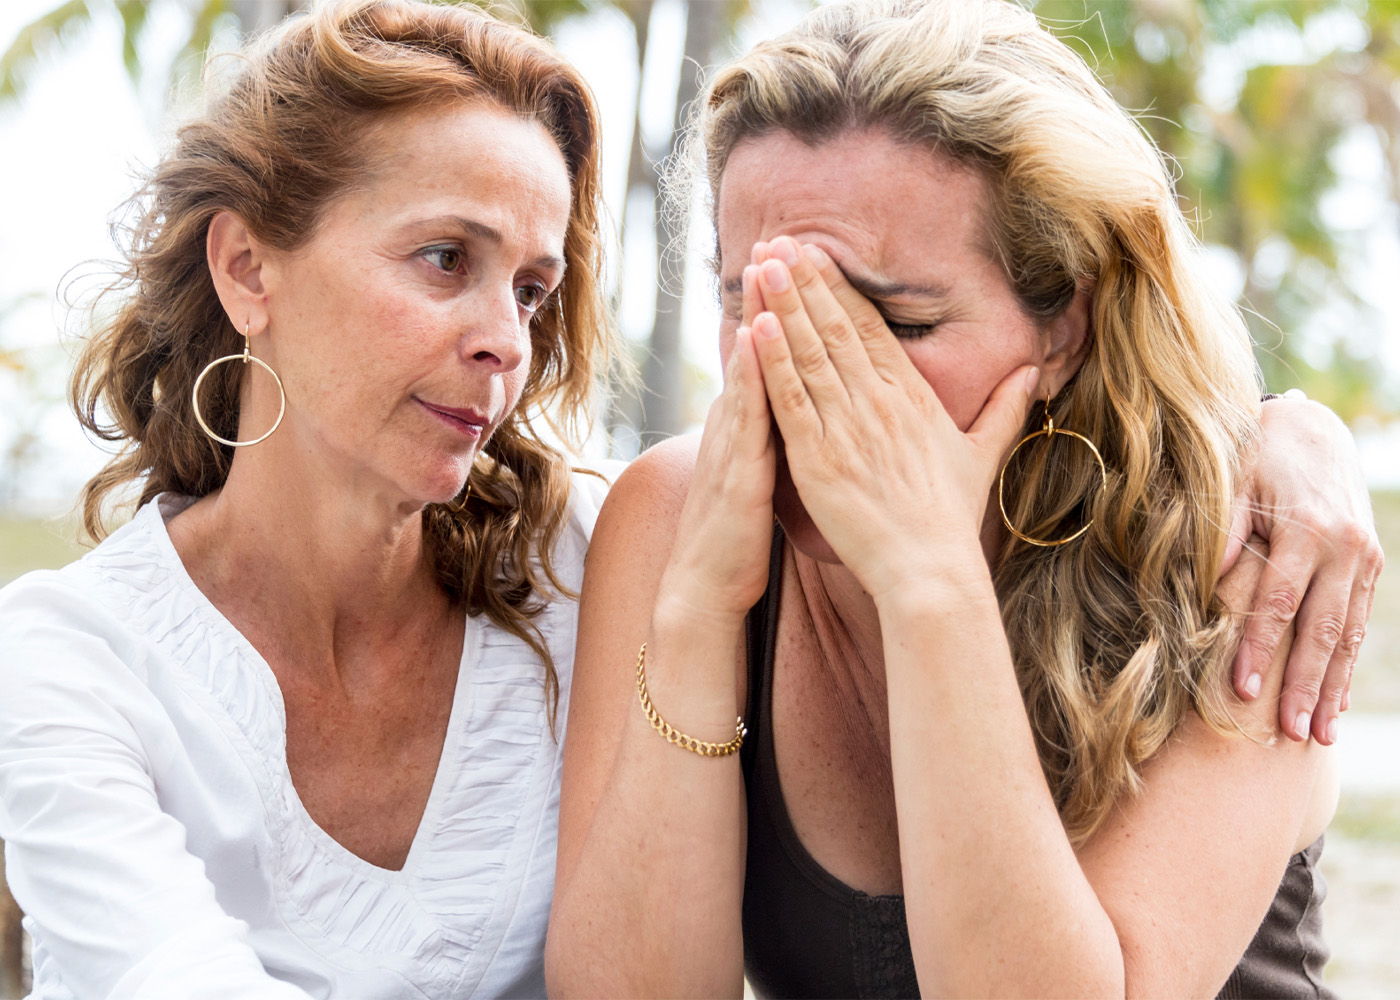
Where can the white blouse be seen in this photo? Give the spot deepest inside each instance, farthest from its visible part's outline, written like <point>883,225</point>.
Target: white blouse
<point>153,836</point>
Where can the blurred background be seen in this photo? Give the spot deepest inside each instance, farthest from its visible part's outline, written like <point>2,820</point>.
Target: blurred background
<point>1281,120</point>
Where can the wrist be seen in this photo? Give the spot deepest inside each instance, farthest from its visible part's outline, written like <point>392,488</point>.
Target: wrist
<point>688,611</point>
<point>950,585</point>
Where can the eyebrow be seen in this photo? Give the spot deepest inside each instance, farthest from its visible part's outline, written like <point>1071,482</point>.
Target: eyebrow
<point>872,288</point>
<point>490,234</point>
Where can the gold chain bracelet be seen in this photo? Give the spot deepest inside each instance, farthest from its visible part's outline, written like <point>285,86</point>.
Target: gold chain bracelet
<point>674,735</point>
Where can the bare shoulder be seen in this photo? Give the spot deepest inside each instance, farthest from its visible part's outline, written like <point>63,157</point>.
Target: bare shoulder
<point>644,506</point>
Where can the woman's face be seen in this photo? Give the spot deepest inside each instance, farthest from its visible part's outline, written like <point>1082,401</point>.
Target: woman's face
<point>402,330</point>
<point>906,227</point>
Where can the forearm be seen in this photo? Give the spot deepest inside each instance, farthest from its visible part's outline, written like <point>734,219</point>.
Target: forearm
<point>997,903</point>
<point>652,906</point>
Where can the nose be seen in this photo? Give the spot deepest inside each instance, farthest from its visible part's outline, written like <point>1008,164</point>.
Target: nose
<point>494,334</point>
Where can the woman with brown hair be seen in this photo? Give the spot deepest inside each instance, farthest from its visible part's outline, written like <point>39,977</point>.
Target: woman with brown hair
<point>949,550</point>
<point>291,730</point>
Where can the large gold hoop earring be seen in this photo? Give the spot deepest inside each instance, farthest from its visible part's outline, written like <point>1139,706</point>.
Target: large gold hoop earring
<point>458,506</point>
<point>1048,430</point>
<point>245,357</point>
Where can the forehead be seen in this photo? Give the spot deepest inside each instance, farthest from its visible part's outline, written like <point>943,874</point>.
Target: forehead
<point>504,168</point>
<point>876,205</point>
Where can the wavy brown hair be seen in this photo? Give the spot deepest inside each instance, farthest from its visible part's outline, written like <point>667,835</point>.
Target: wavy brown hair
<point>290,133</point>
<point>1117,635</point>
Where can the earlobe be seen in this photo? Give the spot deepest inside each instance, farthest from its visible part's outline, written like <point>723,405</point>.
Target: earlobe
<point>1067,341</point>
<point>237,263</point>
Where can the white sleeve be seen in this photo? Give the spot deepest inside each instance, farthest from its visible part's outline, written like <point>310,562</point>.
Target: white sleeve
<point>118,906</point>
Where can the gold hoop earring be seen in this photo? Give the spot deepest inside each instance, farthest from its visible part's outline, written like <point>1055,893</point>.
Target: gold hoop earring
<point>1048,430</point>
<point>245,357</point>
<point>457,506</point>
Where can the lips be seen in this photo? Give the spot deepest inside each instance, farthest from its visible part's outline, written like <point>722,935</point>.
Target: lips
<point>472,423</point>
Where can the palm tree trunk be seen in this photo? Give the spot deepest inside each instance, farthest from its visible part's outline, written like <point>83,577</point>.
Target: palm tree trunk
<point>663,375</point>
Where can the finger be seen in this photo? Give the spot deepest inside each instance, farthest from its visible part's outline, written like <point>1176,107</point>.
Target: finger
<point>1370,603</point>
<point>882,347</point>
<point>1274,605</point>
<point>788,398</point>
<point>827,316</point>
<point>1340,667</point>
<point>809,354</point>
<point>753,423</point>
<point>1247,682</point>
<point>1004,414</point>
<point>1318,630</point>
<point>753,301</point>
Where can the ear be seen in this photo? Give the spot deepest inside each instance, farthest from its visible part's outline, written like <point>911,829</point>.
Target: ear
<point>1066,343</point>
<point>236,262</point>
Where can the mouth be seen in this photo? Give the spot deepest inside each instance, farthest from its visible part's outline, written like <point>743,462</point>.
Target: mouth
<point>467,422</point>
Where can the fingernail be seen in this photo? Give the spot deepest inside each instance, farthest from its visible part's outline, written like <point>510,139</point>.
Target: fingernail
<point>814,253</point>
<point>766,326</point>
<point>785,250</point>
<point>775,275</point>
<point>1032,380</point>
<point>1332,731</point>
<point>760,252</point>
<point>1252,685</point>
<point>1303,724</point>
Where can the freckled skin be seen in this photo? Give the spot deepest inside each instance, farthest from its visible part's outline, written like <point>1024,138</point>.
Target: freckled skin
<point>896,214</point>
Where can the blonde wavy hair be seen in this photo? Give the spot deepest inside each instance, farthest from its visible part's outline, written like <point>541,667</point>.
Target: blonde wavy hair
<point>292,131</point>
<point>1116,636</point>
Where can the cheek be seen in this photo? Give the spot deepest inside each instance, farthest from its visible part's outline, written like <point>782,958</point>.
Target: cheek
<point>963,379</point>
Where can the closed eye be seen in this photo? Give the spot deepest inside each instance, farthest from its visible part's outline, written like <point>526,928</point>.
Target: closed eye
<point>910,331</point>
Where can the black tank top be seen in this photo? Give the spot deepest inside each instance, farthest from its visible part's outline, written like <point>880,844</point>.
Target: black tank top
<point>807,934</point>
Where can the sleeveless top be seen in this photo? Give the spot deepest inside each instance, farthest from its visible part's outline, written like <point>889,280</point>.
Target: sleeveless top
<point>807,934</point>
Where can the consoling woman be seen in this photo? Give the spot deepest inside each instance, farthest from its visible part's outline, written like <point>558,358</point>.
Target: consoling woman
<point>290,731</point>
<point>987,742</point>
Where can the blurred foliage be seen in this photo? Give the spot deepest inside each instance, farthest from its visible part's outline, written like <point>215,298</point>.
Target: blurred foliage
<point>1259,103</point>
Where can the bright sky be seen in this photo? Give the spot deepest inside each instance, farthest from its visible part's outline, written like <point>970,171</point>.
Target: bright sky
<point>70,151</point>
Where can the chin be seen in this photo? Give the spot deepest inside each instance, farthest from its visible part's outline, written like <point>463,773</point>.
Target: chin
<point>797,523</point>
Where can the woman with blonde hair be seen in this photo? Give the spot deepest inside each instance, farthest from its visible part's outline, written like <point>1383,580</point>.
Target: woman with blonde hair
<point>962,597</point>
<point>291,731</point>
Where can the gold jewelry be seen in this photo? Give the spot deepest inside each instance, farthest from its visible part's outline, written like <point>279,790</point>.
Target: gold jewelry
<point>457,506</point>
<point>1049,430</point>
<point>245,357</point>
<point>674,735</point>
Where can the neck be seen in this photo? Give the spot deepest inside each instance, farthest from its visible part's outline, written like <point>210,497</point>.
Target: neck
<point>308,562</point>
<point>846,623</point>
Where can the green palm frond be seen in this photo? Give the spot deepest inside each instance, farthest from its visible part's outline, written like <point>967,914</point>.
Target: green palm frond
<point>36,38</point>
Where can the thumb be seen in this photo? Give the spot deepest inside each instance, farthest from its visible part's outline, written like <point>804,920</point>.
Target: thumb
<point>1004,414</point>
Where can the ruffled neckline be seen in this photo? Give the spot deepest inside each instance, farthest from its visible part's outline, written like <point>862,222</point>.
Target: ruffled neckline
<point>442,917</point>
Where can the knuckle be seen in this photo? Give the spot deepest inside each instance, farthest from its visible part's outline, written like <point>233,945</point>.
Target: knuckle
<point>1310,520</point>
<point>1280,606</point>
<point>1303,689</point>
<point>1350,644</point>
<point>1326,630</point>
<point>791,396</point>
<point>1352,536</point>
<point>809,357</point>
